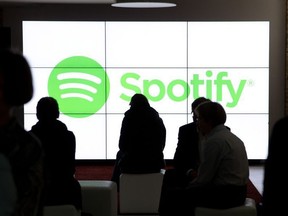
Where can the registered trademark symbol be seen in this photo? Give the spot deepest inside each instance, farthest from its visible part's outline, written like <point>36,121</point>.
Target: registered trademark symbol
<point>250,83</point>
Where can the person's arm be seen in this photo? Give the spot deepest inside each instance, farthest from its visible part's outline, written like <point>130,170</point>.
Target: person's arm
<point>71,162</point>
<point>179,150</point>
<point>212,155</point>
<point>163,134</point>
<point>123,135</point>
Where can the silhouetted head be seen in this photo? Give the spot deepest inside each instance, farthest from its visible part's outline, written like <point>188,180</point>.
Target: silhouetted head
<point>139,101</point>
<point>209,115</point>
<point>196,103</point>
<point>16,82</point>
<point>47,109</point>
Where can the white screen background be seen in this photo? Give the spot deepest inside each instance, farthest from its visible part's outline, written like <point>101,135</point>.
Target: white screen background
<point>168,52</point>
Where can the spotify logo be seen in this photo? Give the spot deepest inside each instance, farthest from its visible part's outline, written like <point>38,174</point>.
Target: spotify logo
<point>79,84</point>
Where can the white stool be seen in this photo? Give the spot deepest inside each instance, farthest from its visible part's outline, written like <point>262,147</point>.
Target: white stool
<point>61,210</point>
<point>248,209</point>
<point>140,193</point>
<point>99,197</point>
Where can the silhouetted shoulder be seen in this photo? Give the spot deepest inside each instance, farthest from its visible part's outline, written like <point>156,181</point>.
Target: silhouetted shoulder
<point>70,135</point>
<point>188,126</point>
<point>22,143</point>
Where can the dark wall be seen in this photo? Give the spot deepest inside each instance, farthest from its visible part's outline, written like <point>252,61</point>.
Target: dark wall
<point>5,37</point>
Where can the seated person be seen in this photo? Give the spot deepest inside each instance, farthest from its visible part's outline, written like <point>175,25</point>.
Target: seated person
<point>274,177</point>
<point>59,146</point>
<point>186,156</point>
<point>142,140</point>
<point>223,173</point>
<point>22,150</point>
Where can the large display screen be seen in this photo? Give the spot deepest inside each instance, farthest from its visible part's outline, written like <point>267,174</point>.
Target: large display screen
<point>94,68</point>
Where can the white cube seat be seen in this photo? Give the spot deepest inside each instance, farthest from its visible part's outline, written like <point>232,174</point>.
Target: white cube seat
<point>99,197</point>
<point>140,193</point>
<point>248,209</point>
<point>61,210</point>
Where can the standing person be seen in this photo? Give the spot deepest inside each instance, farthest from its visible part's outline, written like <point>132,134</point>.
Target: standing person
<point>142,140</point>
<point>223,173</point>
<point>22,149</point>
<point>275,179</point>
<point>59,147</point>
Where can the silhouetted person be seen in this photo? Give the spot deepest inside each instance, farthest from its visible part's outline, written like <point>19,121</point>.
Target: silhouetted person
<point>223,173</point>
<point>21,148</point>
<point>186,157</point>
<point>142,140</point>
<point>275,180</point>
<point>59,146</point>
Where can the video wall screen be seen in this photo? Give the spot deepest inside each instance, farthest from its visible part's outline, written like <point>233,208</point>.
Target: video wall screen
<point>94,68</point>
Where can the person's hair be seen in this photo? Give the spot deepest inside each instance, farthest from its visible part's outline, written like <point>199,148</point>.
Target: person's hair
<point>16,77</point>
<point>139,101</point>
<point>212,112</point>
<point>47,109</point>
<point>198,101</point>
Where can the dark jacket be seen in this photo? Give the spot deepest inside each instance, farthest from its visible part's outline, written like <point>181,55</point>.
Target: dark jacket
<point>142,141</point>
<point>25,156</point>
<point>59,146</point>
<point>187,152</point>
<point>275,180</point>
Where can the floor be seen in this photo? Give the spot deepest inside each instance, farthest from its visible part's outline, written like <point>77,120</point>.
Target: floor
<point>257,176</point>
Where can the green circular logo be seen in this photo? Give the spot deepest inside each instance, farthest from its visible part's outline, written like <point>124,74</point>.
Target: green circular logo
<point>80,85</point>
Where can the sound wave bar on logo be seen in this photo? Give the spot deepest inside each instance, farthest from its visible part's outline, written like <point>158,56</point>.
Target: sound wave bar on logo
<point>73,85</point>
